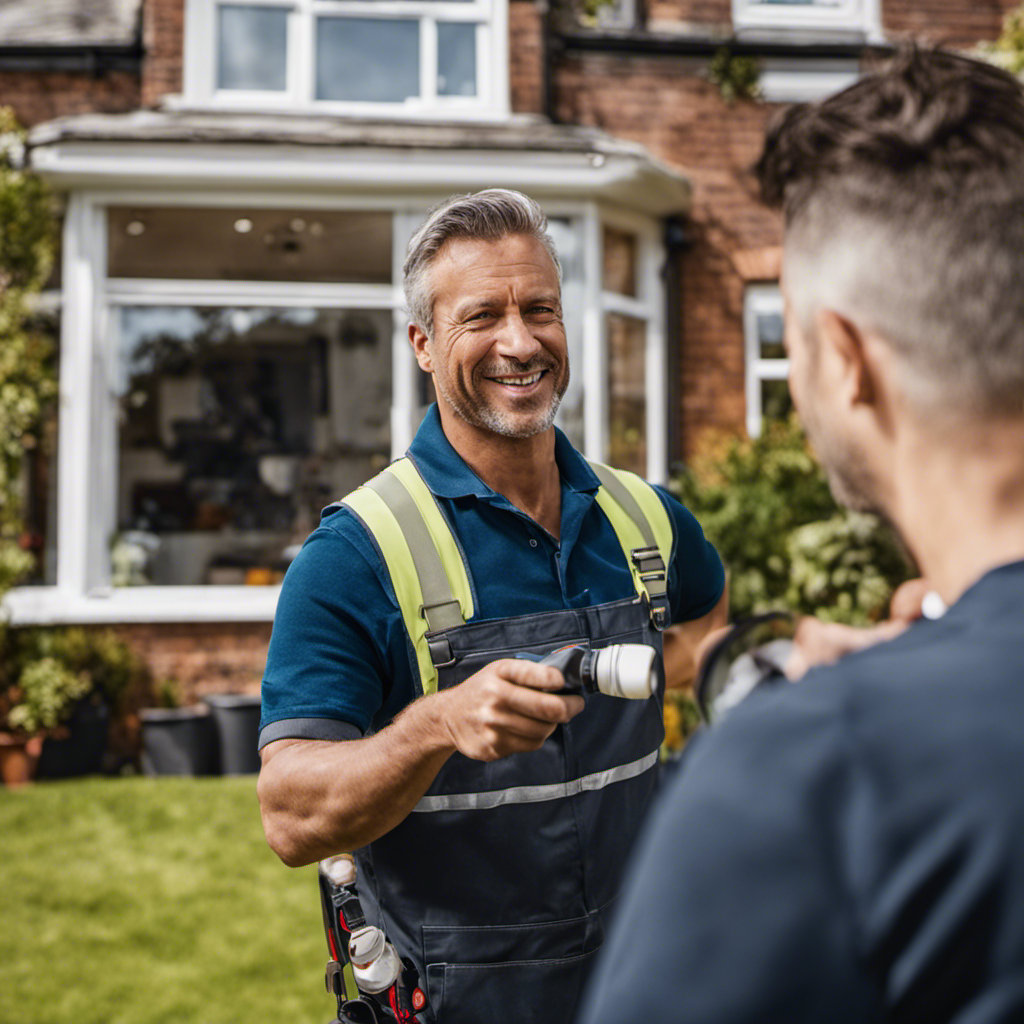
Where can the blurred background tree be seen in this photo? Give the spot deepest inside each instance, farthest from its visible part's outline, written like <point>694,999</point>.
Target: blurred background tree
<point>1008,50</point>
<point>28,384</point>
<point>766,506</point>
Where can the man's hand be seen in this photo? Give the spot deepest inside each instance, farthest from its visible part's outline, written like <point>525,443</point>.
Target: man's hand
<point>504,709</point>
<point>822,643</point>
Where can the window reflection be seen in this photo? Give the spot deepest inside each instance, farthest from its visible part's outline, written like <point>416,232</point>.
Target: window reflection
<point>367,60</point>
<point>627,401</point>
<point>236,427</point>
<point>252,48</point>
<point>456,59</point>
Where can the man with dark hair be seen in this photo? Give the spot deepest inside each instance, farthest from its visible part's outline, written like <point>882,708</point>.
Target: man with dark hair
<point>851,848</point>
<point>490,816</point>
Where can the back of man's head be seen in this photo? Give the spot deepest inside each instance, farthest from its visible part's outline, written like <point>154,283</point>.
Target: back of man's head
<point>904,204</point>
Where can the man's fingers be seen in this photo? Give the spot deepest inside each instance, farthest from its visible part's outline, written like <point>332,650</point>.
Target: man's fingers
<point>524,672</point>
<point>821,643</point>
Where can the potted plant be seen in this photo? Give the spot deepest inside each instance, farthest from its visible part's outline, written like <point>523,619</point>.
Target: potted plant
<point>177,739</point>
<point>237,719</point>
<point>35,701</point>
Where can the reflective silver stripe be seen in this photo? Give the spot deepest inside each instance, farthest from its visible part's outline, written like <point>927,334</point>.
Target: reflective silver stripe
<point>536,794</point>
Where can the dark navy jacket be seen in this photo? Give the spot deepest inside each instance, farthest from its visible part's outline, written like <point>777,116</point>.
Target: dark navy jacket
<point>846,849</point>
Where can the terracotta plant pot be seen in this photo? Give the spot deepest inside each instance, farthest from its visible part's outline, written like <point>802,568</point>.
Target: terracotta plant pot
<point>19,757</point>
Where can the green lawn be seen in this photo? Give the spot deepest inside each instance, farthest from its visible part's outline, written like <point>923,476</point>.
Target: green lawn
<point>137,901</point>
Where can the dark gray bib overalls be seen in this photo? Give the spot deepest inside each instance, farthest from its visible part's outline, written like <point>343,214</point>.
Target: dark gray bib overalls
<point>497,885</point>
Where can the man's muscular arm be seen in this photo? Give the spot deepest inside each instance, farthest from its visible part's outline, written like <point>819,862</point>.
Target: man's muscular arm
<point>319,798</point>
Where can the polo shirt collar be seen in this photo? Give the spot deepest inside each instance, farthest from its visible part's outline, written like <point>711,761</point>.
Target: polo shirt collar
<point>448,476</point>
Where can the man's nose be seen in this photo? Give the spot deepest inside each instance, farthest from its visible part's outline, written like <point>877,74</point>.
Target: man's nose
<point>516,340</point>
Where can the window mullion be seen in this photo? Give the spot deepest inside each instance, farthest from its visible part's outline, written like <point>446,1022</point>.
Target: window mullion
<point>301,54</point>
<point>428,60</point>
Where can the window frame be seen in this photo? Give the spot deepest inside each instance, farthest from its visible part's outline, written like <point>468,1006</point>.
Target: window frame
<point>860,16</point>
<point>492,58</point>
<point>759,299</point>
<point>87,448</point>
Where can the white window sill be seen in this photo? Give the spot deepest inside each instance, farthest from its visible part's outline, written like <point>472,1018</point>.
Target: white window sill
<point>52,606</point>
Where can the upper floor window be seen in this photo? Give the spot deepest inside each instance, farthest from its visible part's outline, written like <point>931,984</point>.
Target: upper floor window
<point>860,16</point>
<point>767,365</point>
<point>445,57</point>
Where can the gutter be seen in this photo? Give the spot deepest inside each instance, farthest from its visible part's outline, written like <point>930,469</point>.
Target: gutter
<point>649,44</point>
<point>93,59</point>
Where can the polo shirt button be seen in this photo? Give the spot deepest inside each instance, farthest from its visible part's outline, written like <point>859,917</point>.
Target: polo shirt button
<point>533,543</point>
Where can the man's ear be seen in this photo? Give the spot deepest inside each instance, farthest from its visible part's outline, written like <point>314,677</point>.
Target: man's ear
<point>852,371</point>
<point>421,348</point>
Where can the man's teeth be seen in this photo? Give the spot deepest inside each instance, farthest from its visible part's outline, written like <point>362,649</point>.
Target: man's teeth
<point>520,382</point>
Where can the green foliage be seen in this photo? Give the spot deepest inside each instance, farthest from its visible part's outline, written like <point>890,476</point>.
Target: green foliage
<point>44,673</point>
<point>28,385</point>
<point>737,78</point>
<point>1008,50</point>
<point>48,691</point>
<point>766,505</point>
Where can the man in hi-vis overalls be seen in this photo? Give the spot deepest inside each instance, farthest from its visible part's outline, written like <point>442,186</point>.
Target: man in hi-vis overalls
<point>490,817</point>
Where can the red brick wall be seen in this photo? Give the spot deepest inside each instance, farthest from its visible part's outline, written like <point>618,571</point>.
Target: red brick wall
<point>215,657</point>
<point>950,22</point>
<point>163,27</point>
<point>41,95</point>
<point>665,104</point>
<point>526,56</point>
<point>702,15</point>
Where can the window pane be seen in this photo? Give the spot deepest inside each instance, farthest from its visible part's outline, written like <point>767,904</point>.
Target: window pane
<point>627,402</point>
<point>619,262</point>
<point>776,403</point>
<point>456,59</point>
<point>237,425</point>
<point>367,60</point>
<point>327,246</point>
<point>569,246</point>
<point>769,335</point>
<point>252,49</point>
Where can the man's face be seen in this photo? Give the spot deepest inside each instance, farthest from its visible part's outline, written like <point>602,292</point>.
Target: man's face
<point>498,354</point>
<point>846,465</point>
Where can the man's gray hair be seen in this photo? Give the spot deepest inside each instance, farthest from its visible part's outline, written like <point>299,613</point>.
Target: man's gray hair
<point>488,216</point>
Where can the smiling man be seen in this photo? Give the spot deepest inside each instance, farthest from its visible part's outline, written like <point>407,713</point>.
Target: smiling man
<point>491,816</point>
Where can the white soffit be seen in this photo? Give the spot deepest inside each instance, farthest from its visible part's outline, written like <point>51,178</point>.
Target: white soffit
<point>622,174</point>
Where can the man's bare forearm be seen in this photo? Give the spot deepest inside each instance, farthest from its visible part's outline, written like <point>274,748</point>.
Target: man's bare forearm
<point>319,798</point>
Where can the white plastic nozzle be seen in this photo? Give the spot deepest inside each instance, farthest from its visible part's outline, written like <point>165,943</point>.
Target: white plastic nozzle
<point>341,870</point>
<point>626,670</point>
<point>375,964</point>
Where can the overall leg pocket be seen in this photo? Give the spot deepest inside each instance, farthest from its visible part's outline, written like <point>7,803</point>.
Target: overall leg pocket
<point>513,992</point>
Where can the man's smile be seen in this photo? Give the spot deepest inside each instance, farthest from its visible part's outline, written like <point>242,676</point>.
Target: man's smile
<point>521,381</point>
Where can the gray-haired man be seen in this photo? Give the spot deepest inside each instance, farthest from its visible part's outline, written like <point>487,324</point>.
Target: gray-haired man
<point>851,848</point>
<point>491,816</point>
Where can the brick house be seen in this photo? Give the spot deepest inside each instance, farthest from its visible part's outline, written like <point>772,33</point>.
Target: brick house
<point>239,181</point>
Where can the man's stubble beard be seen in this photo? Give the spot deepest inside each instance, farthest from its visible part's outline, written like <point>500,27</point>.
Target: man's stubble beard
<point>484,416</point>
<point>850,479</point>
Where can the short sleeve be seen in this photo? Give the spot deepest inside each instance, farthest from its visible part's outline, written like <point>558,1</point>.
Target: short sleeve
<point>338,656</point>
<point>736,908</point>
<point>696,577</point>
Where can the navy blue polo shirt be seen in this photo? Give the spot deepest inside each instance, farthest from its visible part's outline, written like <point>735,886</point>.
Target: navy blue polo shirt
<point>848,849</point>
<point>340,659</point>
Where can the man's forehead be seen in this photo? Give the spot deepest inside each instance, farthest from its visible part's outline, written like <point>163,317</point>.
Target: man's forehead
<point>468,269</point>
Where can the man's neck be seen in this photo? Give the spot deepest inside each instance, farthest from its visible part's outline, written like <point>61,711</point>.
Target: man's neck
<point>523,469</point>
<point>959,501</point>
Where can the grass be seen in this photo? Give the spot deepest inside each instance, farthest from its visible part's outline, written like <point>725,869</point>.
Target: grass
<point>143,901</point>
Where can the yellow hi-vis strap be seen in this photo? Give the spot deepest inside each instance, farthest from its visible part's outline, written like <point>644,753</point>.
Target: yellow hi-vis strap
<point>422,558</point>
<point>644,530</point>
